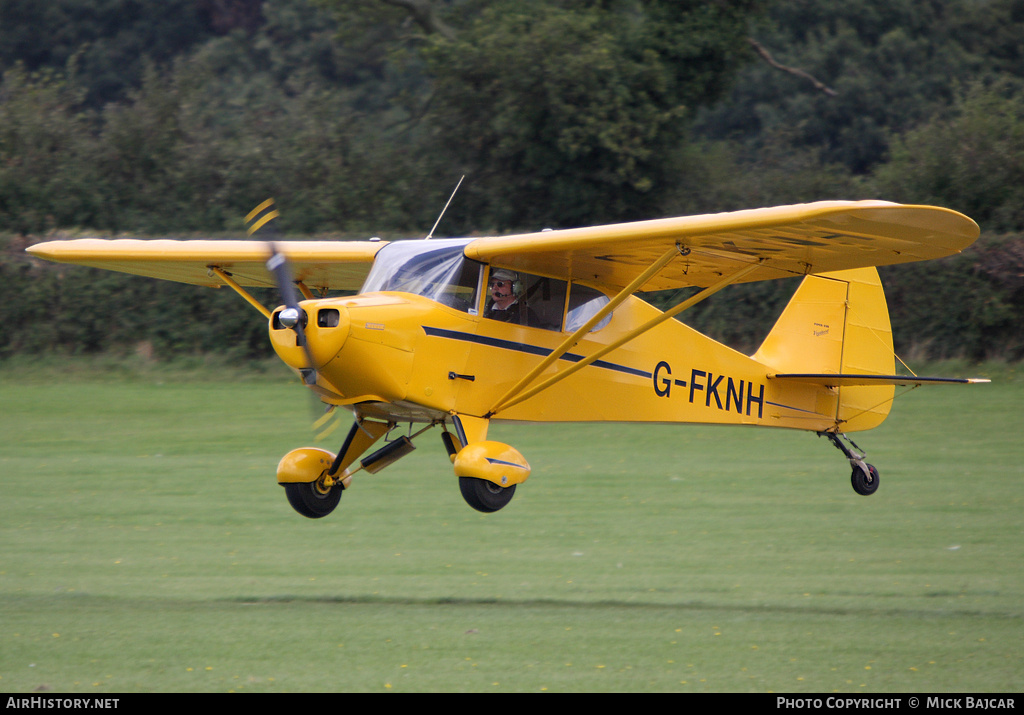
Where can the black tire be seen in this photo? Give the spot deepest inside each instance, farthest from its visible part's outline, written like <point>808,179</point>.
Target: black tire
<point>862,484</point>
<point>484,495</point>
<point>310,501</point>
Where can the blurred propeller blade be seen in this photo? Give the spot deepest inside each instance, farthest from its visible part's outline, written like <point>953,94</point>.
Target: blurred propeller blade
<point>293,316</point>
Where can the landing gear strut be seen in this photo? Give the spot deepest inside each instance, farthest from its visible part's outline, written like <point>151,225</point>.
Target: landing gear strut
<point>864,478</point>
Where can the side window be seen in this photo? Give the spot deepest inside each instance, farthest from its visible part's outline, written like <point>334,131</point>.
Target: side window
<point>584,302</point>
<point>525,299</point>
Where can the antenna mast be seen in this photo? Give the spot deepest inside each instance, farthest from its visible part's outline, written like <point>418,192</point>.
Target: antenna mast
<point>431,234</point>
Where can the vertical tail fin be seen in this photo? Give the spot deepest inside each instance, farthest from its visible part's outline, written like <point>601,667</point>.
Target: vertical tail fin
<point>838,323</point>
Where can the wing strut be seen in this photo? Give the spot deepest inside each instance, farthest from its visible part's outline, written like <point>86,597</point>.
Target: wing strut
<point>231,283</point>
<point>514,398</point>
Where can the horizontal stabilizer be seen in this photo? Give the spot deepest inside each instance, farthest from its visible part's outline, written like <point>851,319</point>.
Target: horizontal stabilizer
<point>848,379</point>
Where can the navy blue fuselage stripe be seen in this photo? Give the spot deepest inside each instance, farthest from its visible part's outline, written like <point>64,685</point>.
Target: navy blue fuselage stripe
<point>795,409</point>
<point>527,348</point>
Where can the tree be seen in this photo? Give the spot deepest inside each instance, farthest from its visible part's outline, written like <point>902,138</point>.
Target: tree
<point>47,150</point>
<point>565,113</point>
<point>107,42</point>
<point>890,65</point>
<point>970,157</point>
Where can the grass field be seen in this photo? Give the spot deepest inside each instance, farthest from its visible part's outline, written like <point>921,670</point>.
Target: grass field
<point>144,546</point>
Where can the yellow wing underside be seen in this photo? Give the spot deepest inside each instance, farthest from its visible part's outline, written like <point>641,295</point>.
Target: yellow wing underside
<point>785,240</point>
<point>340,265</point>
<point>781,241</point>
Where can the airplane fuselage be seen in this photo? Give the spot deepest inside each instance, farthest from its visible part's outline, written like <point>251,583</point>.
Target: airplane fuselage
<point>404,357</point>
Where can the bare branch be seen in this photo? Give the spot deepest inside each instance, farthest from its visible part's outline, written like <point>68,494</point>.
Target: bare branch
<point>422,13</point>
<point>764,54</point>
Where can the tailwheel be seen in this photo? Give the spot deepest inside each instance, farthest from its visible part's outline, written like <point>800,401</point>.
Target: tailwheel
<point>865,476</point>
<point>311,499</point>
<point>864,479</point>
<point>484,495</point>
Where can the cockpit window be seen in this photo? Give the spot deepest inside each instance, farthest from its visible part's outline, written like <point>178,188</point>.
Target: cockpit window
<point>435,269</point>
<point>438,269</point>
<point>584,302</point>
<point>525,299</point>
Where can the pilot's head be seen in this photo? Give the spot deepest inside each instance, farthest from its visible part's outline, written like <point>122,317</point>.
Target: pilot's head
<point>504,286</point>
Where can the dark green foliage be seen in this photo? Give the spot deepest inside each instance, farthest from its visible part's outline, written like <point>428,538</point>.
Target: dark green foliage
<point>969,306</point>
<point>970,157</point>
<point>63,309</point>
<point>891,66</point>
<point>108,42</point>
<point>574,109</point>
<point>47,168</point>
<point>359,117</point>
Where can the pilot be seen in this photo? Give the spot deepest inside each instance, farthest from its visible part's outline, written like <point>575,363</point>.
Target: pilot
<point>506,289</point>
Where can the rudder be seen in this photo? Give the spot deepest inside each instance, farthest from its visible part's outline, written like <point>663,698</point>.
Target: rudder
<point>838,323</point>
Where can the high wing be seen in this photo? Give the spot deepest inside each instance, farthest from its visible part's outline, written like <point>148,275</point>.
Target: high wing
<point>774,242</point>
<point>337,265</point>
<point>784,241</point>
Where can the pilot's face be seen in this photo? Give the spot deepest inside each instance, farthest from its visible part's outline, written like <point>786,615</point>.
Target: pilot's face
<point>500,288</point>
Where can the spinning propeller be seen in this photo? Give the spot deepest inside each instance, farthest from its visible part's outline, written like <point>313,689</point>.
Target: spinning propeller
<point>293,316</point>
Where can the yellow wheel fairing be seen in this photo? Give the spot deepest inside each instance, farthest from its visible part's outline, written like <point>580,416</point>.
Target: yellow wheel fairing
<point>303,465</point>
<point>493,461</point>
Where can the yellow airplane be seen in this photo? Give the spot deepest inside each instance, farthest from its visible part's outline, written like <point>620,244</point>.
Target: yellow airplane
<point>546,327</point>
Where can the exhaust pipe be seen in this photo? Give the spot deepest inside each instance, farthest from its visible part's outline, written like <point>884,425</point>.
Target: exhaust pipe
<point>387,455</point>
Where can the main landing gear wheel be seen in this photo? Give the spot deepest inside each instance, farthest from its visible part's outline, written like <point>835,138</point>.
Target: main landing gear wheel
<point>311,500</point>
<point>863,483</point>
<point>484,495</point>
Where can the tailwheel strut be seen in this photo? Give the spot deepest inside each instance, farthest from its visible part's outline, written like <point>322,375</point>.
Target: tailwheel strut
<point>864,478</point>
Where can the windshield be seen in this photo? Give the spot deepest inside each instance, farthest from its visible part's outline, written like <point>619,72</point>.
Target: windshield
<point>435,269</point>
